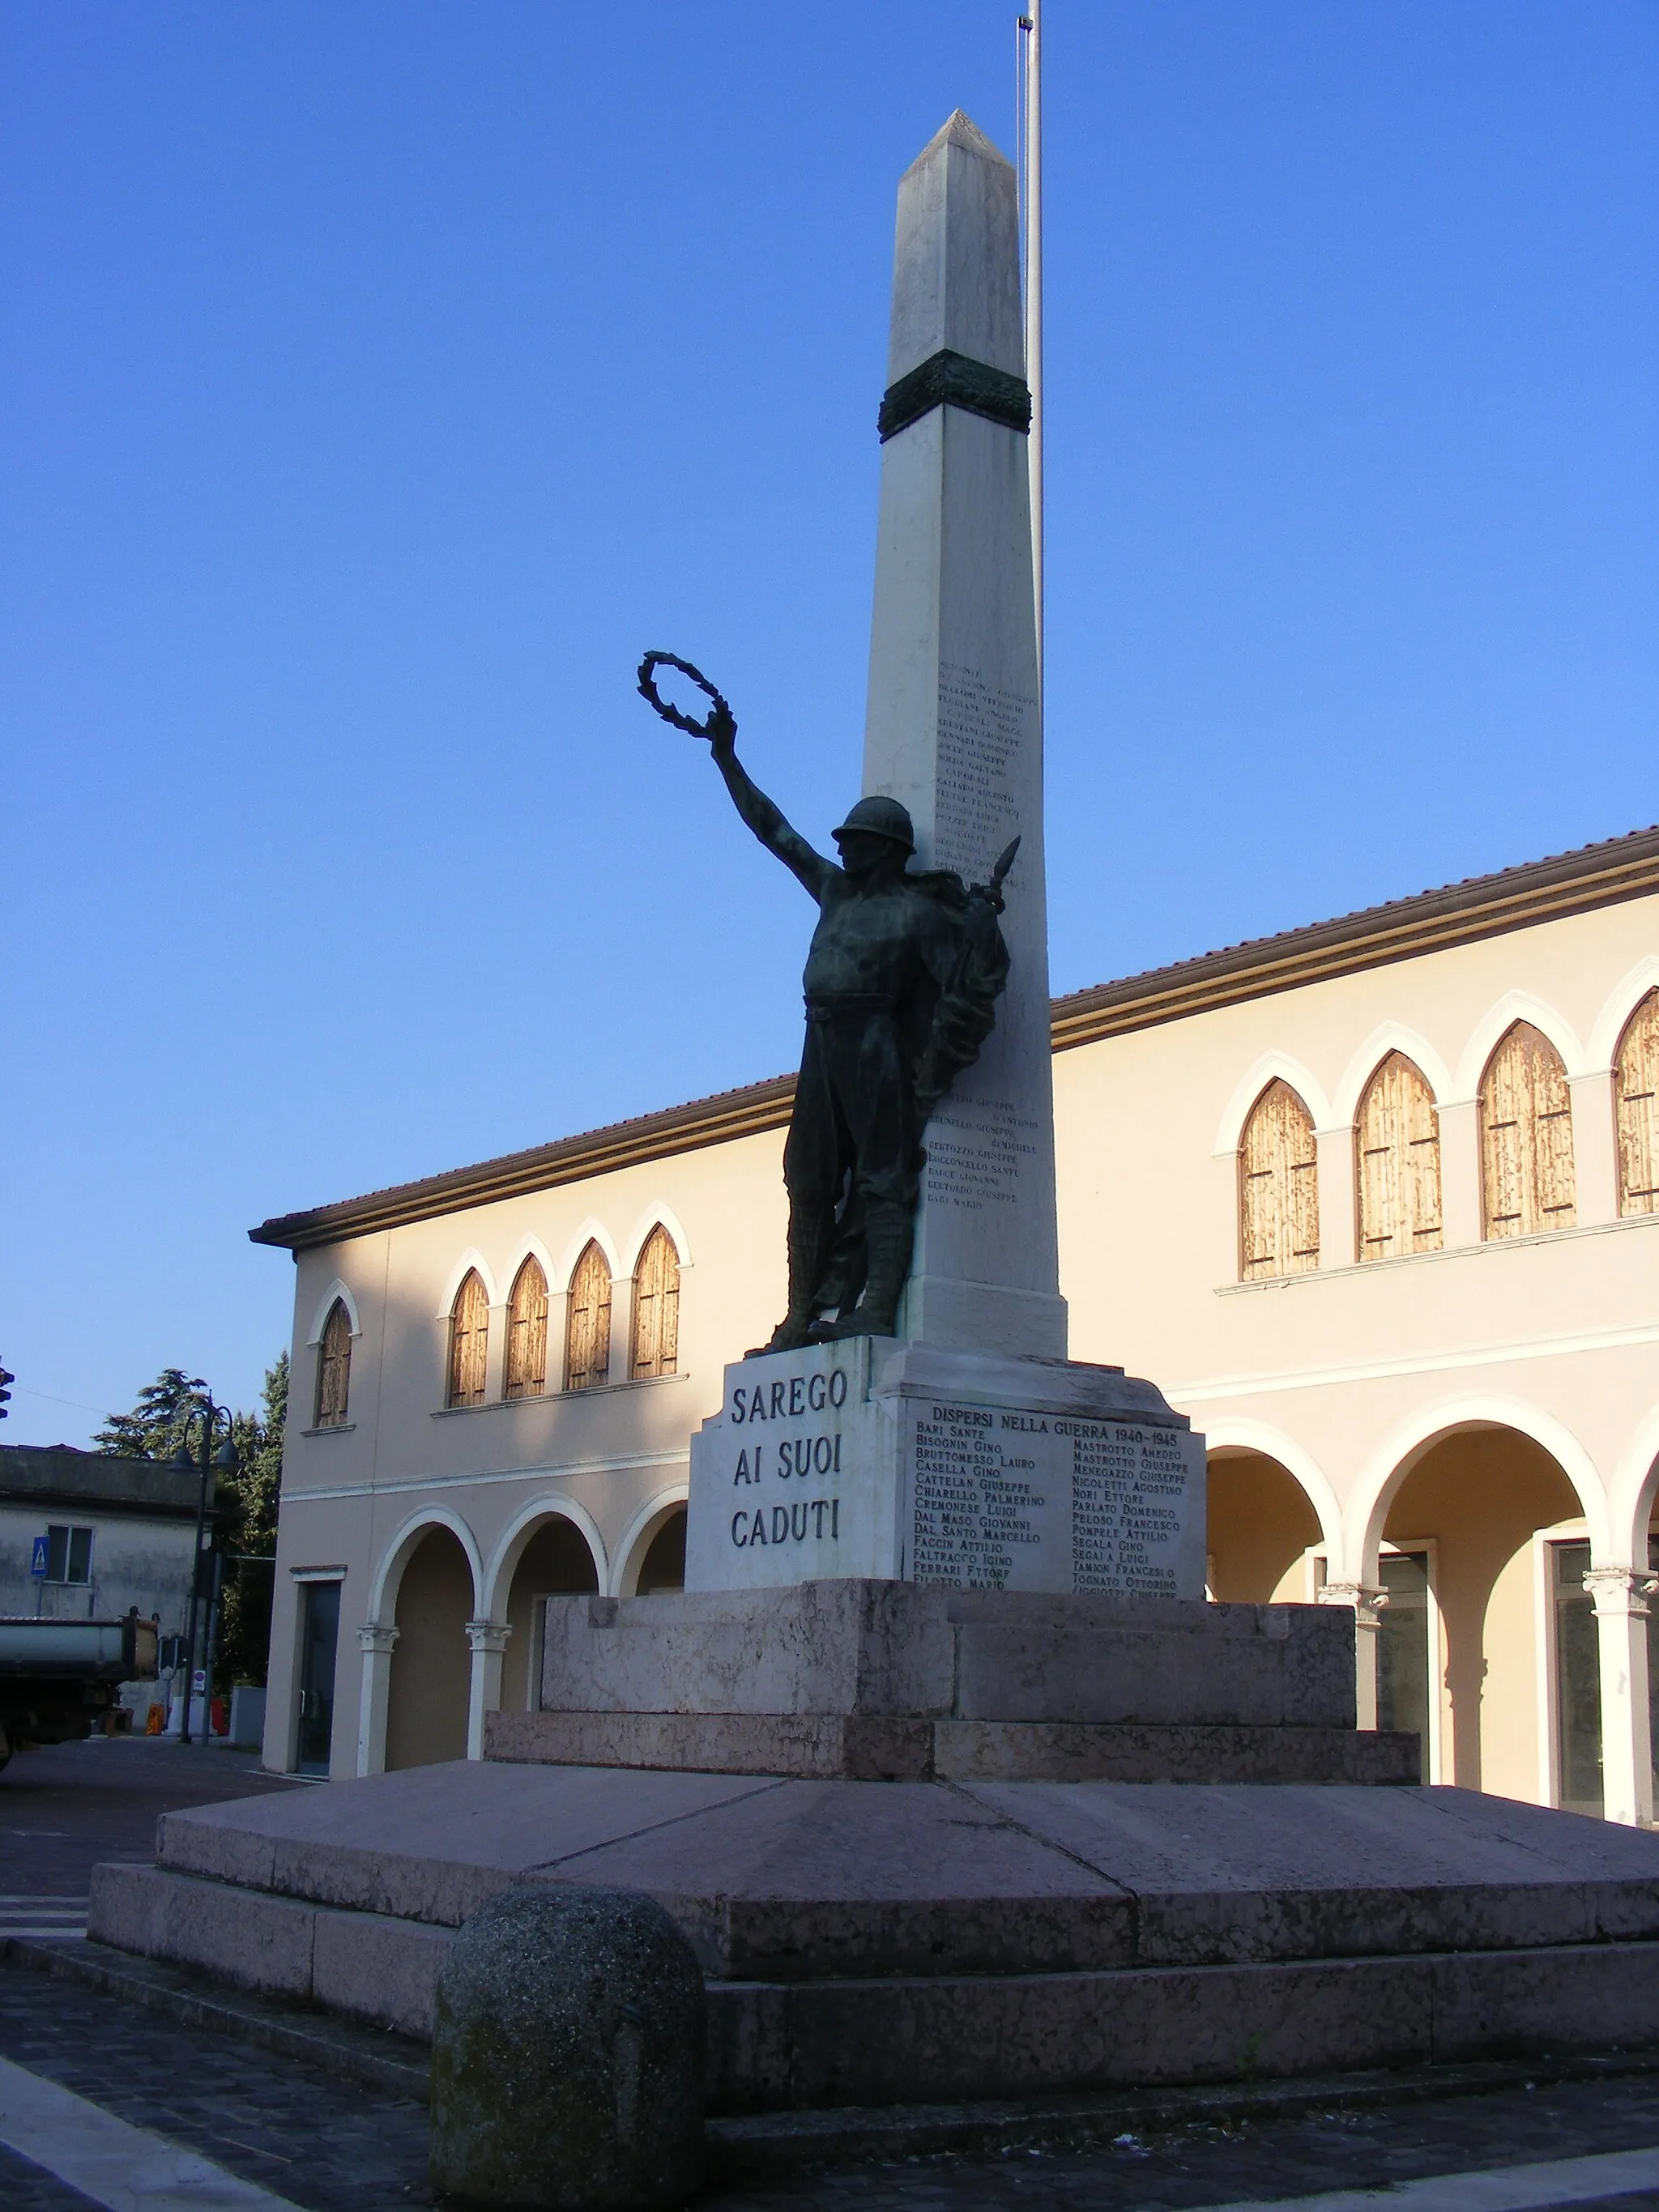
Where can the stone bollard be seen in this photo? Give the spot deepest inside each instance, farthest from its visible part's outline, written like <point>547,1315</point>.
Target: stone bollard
<point>569,2044</point>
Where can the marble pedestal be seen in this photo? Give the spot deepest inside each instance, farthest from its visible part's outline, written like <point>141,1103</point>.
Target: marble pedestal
<point>906,1462</point>
<point>889,1681</point>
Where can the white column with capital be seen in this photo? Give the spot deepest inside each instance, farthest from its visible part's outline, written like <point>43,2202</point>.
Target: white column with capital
<point>1621,1594</point>
<point>954,726</point>
<point>377,1640</point>
<point>1367,1600</point>
<point>487,1641</point>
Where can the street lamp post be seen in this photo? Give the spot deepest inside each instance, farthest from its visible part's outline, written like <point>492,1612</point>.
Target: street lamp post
<point>205,1414</point>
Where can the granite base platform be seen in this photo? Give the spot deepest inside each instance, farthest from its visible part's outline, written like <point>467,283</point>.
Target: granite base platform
<point>868,1942</point>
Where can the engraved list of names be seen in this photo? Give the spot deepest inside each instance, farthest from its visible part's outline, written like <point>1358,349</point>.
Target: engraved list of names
<point>1008,1500</point>
<point>982,735</point>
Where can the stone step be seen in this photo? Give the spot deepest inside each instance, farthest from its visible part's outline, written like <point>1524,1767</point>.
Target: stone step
<point>788,1879</point>
<point>783,2046</point>
<point>860,1747</point>
<point>778,2045</point>
<point>368,1966</point>
<point>747,2148</point>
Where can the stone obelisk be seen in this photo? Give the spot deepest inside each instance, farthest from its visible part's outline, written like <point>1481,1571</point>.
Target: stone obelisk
<point>954,725</point>
<point>967,1450</point>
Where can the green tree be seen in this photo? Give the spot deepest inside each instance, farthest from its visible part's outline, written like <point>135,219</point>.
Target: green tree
<point>244,1502</point>
<point>249,1497</point>
<point>155,1427</point>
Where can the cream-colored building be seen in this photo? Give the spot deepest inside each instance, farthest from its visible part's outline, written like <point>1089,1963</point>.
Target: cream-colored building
<point>1374,1201</point>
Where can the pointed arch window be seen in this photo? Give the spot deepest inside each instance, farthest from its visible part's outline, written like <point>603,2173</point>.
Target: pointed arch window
<point>469,1342</point>
<point>1278,1187</point>
<point>1398,1140</point>
<point>1635,1086</point>
<point>1526,1138</point>
<point>334,1368</point>
<point>526,1333</point>
<point>656,1308</point>
<point>587,1332</point>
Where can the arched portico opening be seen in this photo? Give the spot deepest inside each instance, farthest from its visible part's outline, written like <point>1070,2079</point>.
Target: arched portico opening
<point>1483,1556</point>
<point>652,1556</point>
<point>556,1561</point>
<point>1262,1526</point>
<point>431,1662</point>
<point>663,1565</point>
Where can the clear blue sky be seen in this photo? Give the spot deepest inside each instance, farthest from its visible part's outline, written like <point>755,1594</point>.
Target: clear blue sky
<point>379,377</point>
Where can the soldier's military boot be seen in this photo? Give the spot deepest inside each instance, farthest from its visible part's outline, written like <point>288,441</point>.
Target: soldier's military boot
<point>889,1235</point>
<point>806,1266</point>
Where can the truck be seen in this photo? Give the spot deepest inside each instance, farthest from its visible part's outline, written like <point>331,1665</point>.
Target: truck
<point>58,1678</point>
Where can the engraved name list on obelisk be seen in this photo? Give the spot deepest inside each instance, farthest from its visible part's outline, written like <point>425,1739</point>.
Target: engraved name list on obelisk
<point>963,1447</point>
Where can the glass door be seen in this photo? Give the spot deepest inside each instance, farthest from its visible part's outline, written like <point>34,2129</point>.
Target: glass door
<point>320,1630</point>
<point>1404,1684</point>
<point>1577,1683</point>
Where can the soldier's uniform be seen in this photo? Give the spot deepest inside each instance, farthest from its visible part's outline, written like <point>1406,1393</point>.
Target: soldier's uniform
<point>902,982</point>
<point>853,1161</point>
<point>880,965</point>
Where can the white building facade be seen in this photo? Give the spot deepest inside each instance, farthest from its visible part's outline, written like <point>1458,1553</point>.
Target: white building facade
<point>1373,1201</point>
<point>86,1536</point>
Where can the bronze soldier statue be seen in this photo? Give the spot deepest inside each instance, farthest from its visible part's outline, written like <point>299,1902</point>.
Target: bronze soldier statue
<point>901,983</point>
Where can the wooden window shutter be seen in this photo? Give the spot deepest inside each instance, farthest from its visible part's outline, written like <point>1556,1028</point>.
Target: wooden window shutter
<point>1636,1087</point>
<point>1278,1187</point>
<point>656,1307</point>
<point>334,1368</point>
<point>1526,1138</point>
<point>587,1337</point>
<point>1398,1141</point>
<point>526,1333</point>
<point>469,1342</point>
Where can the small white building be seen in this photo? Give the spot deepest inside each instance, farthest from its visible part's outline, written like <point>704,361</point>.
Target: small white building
<point>1374,1201</point>
<point>105,1534</point>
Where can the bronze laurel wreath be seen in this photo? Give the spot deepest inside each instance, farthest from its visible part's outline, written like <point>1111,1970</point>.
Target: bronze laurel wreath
<point>650,692</point>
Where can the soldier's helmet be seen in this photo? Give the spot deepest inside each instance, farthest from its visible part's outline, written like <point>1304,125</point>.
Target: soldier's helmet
<point>881,818</point>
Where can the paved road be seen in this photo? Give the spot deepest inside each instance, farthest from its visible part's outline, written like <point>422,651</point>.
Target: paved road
<point>63,1809</point>
<point>308,2139</point>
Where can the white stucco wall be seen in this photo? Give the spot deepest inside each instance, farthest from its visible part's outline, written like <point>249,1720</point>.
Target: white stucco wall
<point>1349,1370</point>
<point>136,1559</point>
<point>611,1457</point>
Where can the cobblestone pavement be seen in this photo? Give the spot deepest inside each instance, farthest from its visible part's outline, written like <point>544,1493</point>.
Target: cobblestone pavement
<point>324,2143</point>
<point>24,2188</point>
<point>1213,2166</point>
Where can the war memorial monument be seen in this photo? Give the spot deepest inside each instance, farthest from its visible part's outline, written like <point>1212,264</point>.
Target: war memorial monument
<point>942,1765</point>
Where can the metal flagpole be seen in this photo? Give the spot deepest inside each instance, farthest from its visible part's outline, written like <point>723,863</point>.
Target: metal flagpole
<point>1031,24</point>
